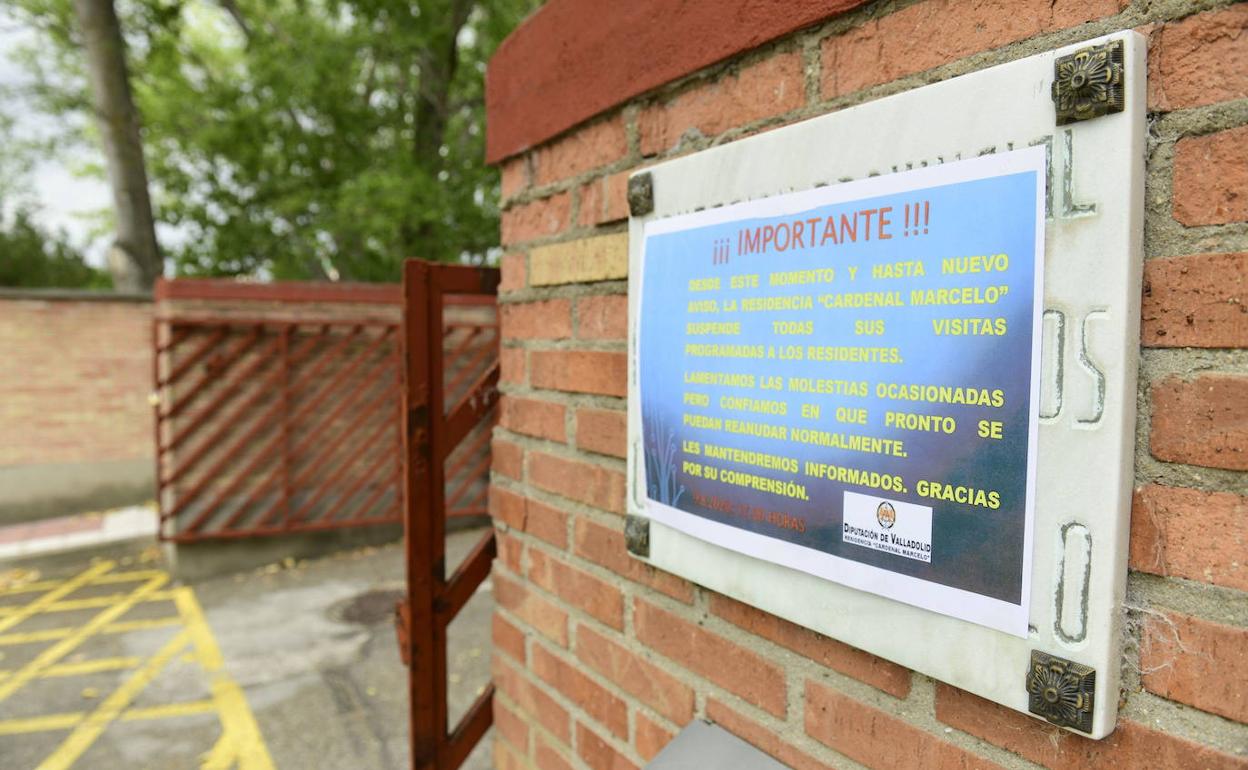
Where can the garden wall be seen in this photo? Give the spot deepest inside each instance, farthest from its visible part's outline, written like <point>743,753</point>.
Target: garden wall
<point>75,375</point>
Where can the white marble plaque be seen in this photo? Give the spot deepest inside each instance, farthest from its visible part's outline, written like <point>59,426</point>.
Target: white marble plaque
<point>893,509</point>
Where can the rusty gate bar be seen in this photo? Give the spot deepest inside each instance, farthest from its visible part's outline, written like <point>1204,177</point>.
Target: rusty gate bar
<point>435,423</point>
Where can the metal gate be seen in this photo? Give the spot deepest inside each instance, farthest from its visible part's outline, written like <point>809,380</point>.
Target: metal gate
<point>279,407</point>
<point>450,390</point>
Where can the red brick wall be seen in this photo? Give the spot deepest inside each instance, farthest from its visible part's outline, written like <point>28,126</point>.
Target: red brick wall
<point>600,659</point>
<point>75,375</point>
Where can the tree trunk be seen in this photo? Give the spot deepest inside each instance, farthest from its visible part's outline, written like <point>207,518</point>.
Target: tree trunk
<point>437,72</point>
<point>134,258</point>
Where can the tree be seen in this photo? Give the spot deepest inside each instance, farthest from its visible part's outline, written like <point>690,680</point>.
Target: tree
<point>311,138</point>
<point>33,258</point>
<point>134,258</point>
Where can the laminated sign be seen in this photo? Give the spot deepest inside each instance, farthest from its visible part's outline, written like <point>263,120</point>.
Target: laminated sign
<point>882,373</point>
<point>852,388</point>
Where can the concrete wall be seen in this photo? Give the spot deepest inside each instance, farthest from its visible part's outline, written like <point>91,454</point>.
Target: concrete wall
<point>600,659</point>
<point>75,374</point>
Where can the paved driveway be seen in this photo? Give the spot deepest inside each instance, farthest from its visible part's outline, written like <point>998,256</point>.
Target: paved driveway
<point>111,665</point>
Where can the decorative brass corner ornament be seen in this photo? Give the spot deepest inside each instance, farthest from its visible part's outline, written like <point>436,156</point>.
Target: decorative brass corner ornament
<point>641,194</point>
<point>1089,83</point>
<point>637,535</point>
<point>1061,691</point>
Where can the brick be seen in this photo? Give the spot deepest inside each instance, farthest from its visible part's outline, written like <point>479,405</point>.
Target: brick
<point>650,737</point>
<point>547,757</point>
<point>597,753</point>
<point>615,197</point>
<point>1130,745</point>
<point>773,86</point>
<point>546,522</point>
<point>604,546</point>
<point>762,738</point>
<point>513,272</point>
<point>589,207</point>
<point>727,664</point>
<point>514,177</point>
<point>1200,60</point>
<point>510,552</point>
<point>511,366</point>
<point>1198,301</point>
<point>587,148</point>
<point>850,661</point>
<point>590,484</point>
<point>506,758</point>
<point>67,398</point>
<point>1170,530</point>
<point>521,514</point>
<point>543,615</point>
<point>538,219</point>
<point>578,588</point>
<point>580,371</point>
<point>1197,662</point>
<point>507,507</point>
<point>602,430</point>
<point>587,260</point>
<point>605,199</point>
<point>1203,421</point>
<point>533,417</point>
<point>634,675</point>
<point>602,318</point>
<point>1211,178</point>
<point>549,320</point>
<point>607,709</point>
<point>855,729</point>
<point>508,638</point>
<point>507,458</point>
<point>511,726</point>
<point>531,699</point>
<point>936,32</point>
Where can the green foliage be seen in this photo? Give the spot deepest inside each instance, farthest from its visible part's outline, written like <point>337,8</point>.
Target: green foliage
<point>305,138</point>
<point>31,258</point>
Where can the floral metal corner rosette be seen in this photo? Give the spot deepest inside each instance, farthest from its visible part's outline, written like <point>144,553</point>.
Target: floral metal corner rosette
<point>1089,83</point>
<point>1061,691</point>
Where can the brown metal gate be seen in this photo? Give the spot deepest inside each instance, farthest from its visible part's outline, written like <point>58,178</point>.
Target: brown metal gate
<point>450,390</point>
<point>279,406</point>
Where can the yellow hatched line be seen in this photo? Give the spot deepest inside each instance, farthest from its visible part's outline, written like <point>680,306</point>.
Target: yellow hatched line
<point>91,603</point>
<point>53,654</point>
<point>110,578</point>
<point>85,667</point>
<point>72,719</point>
<point>240,739</point>
<point>55,595</point>
<point>223,754</point>
<point>90,728</point>
<point>122,627</point>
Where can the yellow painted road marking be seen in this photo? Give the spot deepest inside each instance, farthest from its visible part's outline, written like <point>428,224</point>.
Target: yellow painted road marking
<point>53,654</point>
<point>110,578</point>
<point>55,595</point>
<point>91,603</point>
<point>85,667</point>
<point>85,733</point>
<point>240,744</point>
<point>69,720</point>
<point>123,627</point>
<point>239,725</point>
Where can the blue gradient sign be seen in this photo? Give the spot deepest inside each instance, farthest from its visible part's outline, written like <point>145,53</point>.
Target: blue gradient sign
<point>845,381</point>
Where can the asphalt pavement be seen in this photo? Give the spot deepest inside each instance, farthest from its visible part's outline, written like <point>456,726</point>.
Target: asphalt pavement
<point>109,663</point>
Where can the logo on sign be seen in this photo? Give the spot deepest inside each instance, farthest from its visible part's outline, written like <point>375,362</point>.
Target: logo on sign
<point>890,526</point>
<point>886,515</point>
